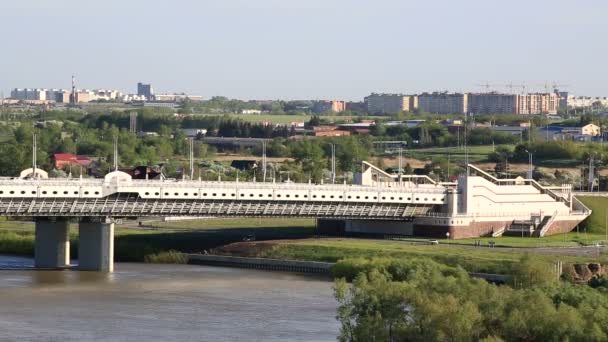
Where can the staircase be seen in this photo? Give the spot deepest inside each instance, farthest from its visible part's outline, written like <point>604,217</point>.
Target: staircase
<point>520,228</point>
<point>546,224</point>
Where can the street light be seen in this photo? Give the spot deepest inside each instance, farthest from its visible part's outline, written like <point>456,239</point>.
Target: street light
<point>529,164</point>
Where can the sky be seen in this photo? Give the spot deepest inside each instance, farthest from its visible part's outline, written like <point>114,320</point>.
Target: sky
<point>304,49</point>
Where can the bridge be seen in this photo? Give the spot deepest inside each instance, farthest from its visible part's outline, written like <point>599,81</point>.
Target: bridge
<point>478,204</point>
<point>97,203</point>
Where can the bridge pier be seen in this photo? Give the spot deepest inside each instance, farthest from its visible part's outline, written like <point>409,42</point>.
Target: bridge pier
<point>96,246</point>
<point>52,243</point>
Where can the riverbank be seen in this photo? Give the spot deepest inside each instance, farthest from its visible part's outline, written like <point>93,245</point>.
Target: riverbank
<point>293,239</point>
<point>133,243</point>
<point>471,259</point>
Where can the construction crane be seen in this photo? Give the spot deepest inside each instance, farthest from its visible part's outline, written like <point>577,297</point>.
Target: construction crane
<point>551,86</point>
<point>510,86</point>
<point>487,85</point>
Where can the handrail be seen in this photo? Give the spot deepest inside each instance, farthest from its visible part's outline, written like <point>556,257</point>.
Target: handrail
<point>577,203</point>
<point>421,189</point>
<point>548,224</point>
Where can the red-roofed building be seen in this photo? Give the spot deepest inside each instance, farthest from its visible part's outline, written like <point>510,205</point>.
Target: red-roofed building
<point>64,160</point>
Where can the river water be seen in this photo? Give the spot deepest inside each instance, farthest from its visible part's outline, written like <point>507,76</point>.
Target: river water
<point>146,302</point>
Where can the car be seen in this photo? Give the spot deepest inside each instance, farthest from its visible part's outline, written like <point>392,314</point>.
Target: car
<point>249,237</point>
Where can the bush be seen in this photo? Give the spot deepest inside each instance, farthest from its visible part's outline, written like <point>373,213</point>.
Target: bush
<point>169,257</point>
<point>531,272</point>
<point>431,307</point>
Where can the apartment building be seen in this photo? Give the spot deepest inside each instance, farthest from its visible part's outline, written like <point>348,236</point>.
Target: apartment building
<point>493,103</point>
<point>29,94</point>
<point>443,103</point>
<point>586,101</point>
<point>391,103</point>
<point>499,103</point>
<point>537,103</point>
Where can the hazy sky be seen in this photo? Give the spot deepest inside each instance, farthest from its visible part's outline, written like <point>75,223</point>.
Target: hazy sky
<point>303,48</point>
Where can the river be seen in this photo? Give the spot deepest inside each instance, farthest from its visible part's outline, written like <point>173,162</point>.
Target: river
<point>140,302</point>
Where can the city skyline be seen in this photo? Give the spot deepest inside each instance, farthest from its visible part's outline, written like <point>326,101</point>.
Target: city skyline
<point>303,50</point>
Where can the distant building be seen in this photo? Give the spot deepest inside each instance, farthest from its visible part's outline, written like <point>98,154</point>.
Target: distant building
<point>28,94</point>
<point>175,97</point>
<point>251,111</point>
<point>499,103</point>
<point>492,103</point>
<point>513,130</point>
<point>537,103</point>
<point>586,101</point>
<point>329,106</point>
<point>63,161</point>
<point>443,103</point>
<point>329,131</point>
<point>63,95</point>
<point>356,106</point>
<point>145,90</point>
<point>157,104</point>
<point>588,130</point>
<point>194,132</point>
<point>391,103</point>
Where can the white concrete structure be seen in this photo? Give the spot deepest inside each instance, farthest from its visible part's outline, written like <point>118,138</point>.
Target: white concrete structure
<point>477,205</point>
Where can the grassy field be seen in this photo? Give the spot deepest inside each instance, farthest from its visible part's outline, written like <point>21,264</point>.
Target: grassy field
<point>472,259</point>
<point>572,239</point>
<point>476,153</point>
<point>596,223</point>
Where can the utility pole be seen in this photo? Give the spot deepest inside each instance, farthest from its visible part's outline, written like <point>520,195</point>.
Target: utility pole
<point>400,164</point>
<point>333,163</point>
<point>466,150</point>
<point>34,151</point>
<point>264,161</point>
<point>191,159</point>
<point>116,154</point>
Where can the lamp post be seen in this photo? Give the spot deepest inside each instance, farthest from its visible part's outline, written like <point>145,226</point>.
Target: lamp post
<point>530,169</point>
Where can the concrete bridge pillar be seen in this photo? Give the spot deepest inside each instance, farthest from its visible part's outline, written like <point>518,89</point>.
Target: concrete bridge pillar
<point>52,244</point>
<point>96,246</point>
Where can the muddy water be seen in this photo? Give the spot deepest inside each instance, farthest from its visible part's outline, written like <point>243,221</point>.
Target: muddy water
<point>142,302</point>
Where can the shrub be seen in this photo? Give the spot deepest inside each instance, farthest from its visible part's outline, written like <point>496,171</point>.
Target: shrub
<point>168,257</point>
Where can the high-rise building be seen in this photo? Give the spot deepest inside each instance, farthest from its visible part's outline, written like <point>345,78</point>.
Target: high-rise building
<point>498,103</point>
<point>493,103</point>
<point>145,90</point>
<point>391,103</point>
<point>28,94</point>
<point>443,103</point>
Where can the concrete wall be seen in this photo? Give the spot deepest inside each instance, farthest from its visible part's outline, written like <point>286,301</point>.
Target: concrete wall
<point>379,227</point>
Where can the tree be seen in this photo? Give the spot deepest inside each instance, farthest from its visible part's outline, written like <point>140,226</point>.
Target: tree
<point>310,155</point>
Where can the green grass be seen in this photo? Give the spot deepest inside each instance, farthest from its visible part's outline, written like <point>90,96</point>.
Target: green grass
<point>192,236</point>
<point>596,222</point>
<point>572,239</point>
<point>471,259</point>
<point>476,153</point>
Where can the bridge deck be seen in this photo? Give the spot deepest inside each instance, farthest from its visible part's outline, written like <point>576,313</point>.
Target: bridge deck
<point>130,205</point>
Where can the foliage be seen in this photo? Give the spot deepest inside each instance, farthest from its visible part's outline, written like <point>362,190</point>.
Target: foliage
<point>529,272</point>
<point>430,305</point>
<point>166,257</point>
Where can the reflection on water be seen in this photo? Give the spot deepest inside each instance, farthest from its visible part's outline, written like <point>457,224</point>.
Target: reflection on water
<point>163,303</point>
